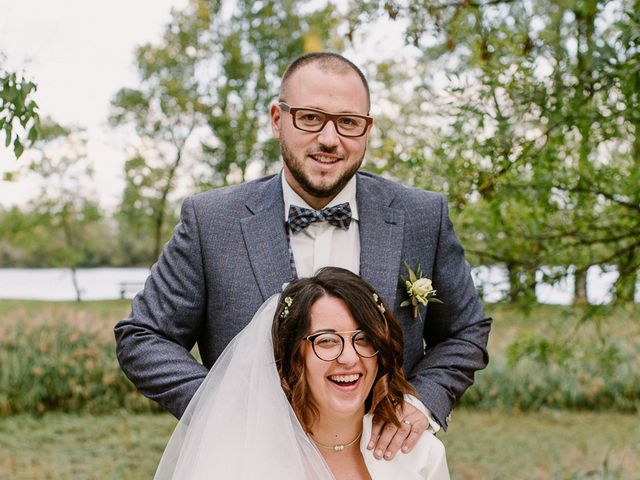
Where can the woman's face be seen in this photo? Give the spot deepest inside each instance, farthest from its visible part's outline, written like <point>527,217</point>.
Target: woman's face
<point>341,386</point>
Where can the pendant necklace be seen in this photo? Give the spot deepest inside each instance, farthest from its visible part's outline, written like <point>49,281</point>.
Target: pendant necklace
<point>338,447</point>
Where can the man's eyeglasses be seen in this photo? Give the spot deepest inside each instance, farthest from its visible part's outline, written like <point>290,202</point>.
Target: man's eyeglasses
<point>313,120</point>
<point>329,345</point>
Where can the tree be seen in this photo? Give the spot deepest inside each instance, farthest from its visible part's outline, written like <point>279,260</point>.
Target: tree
<point>64,214</point>
<point>166,109</point>
<point>138,234</point>
<point>253,49</point>
<point>534,92</point>
<point>211,78</point>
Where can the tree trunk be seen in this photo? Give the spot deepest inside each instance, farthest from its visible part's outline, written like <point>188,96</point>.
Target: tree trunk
<point>585,24</point>
<point>580,287</point>
<point>162,206</point>
<point>522,284</point>
<point>76,286</point>
<point>625,286</point>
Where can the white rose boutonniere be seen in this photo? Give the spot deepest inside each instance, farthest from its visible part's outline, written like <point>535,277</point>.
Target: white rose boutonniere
<point>419,288</point>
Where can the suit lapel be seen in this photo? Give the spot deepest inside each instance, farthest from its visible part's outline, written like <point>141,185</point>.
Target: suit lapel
<point>381,238</point>
<point>265,238</point>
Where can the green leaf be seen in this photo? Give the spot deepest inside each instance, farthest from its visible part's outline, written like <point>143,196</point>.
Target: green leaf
<point>18,148</point>
<point>33,134</point>
<point>7,133</point>
<point>412,276</point>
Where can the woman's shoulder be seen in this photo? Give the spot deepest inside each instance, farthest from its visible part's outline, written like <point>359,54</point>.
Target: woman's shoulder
<point>432,457</point>
<point>430,443</point>
<point>426,461</point>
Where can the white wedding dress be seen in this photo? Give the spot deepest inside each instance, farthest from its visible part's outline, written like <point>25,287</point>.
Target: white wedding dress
<point>240,426</point>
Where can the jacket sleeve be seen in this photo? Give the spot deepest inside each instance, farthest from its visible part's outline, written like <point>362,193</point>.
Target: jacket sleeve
<point>153,343</point>
<point>455,332</point>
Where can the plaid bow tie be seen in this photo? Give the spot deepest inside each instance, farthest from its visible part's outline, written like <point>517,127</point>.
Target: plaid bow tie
<point>338,216</point>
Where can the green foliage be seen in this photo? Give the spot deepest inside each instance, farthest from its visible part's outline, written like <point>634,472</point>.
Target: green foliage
<point>65,209</point>
<point>61,367</point>
<point>18,111</point>
<point>33,238</point>
<point>165,111</point>
<point>560,358</point>
<point>549,375</point>
<point>137,216</point>
<point>209,81</point>
<point>257,44</point>
<point>539,350</point>
<point>60,356</point>
<point>62,226</point>
<point>533,134</point>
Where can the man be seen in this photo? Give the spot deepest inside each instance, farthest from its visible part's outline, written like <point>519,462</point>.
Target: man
<point>237,246</point>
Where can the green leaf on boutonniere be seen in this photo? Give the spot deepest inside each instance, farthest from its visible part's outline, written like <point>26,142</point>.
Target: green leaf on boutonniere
<point>419,288</point>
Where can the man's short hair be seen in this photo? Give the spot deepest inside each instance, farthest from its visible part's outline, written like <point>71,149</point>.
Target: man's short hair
<point>330,61</point>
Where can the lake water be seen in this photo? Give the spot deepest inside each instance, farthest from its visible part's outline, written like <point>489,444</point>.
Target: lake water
<point>105,283</point>
<point>56,283</point>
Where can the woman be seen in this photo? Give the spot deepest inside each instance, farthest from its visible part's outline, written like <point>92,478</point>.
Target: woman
<point>297,403</point>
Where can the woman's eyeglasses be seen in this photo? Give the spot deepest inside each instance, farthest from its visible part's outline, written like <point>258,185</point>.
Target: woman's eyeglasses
<point>329,345</point>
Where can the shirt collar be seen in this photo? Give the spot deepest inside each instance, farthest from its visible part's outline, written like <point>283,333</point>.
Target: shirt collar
<point>347,194</point>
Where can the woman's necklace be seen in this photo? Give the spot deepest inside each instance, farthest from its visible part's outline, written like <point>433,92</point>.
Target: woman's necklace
<point>338,447</point>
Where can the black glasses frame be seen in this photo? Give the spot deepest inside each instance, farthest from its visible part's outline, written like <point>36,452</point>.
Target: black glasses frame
<point>328,117</point>
<point>312,338</point>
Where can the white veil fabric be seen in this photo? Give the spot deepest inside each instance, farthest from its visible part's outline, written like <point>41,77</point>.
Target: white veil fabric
<point>239,424</point>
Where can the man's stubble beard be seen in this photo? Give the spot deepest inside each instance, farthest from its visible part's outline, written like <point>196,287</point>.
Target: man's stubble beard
<point>304,181</point>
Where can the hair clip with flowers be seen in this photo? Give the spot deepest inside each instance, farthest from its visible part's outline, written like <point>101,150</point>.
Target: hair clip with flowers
<point>288,301</point>
<point>379,304</point>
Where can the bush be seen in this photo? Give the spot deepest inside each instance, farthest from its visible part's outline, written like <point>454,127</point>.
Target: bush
<point>60,367</point>
<point>540,373</point>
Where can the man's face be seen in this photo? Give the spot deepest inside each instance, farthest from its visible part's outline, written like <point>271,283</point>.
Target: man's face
<point>318,165</point>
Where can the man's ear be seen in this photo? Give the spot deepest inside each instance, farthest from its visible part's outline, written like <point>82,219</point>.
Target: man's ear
<point>276,117</point>
<point>369,128</point>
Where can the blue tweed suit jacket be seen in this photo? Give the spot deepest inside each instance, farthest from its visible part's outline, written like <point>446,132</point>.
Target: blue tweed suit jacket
<point>229,253</point>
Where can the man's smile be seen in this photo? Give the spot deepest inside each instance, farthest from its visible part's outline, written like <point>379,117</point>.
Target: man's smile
<point>325,158</point>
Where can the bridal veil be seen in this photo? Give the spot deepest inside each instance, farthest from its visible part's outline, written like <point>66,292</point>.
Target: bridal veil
<point>239,424</point>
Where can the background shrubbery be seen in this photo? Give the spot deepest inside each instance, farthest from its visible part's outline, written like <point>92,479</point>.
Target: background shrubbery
<point>48,368</point>
<point>561,358</point>
<point>61,357</point>
<point>596,378</point>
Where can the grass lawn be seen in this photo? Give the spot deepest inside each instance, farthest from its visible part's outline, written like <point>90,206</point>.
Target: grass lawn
<point>480,445</point>
<point>553,445</point>
<point>72,446</point>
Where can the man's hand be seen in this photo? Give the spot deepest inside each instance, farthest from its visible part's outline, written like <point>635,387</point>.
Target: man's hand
<point>388,439</point>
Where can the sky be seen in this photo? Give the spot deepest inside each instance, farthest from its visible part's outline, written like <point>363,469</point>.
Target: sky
<point>80,53</point>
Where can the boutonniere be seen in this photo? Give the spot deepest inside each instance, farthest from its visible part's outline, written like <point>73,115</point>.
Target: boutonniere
<point>419,288</point>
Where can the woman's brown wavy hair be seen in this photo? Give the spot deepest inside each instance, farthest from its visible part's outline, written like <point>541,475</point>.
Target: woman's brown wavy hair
<point>288,331</point>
